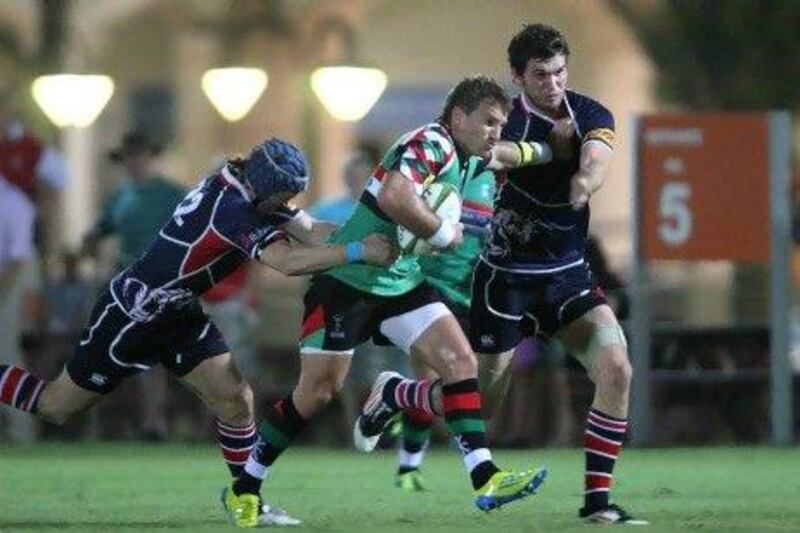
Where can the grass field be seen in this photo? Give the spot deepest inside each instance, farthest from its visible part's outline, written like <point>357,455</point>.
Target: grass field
<point>93,487</point>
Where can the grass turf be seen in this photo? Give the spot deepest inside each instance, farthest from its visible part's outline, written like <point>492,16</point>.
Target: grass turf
<point>83,487</point>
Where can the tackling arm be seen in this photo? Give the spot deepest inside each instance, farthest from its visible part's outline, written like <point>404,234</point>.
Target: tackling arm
<point>509,154</point>
<point>308,230</point>
<point>594,162</point>
<point>297,260</point>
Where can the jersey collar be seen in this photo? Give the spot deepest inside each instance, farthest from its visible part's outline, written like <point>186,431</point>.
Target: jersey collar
<point>230,179</point>
<point>531,109</point>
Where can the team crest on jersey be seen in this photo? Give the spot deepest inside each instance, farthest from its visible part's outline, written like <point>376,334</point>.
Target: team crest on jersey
<point>338,327</point>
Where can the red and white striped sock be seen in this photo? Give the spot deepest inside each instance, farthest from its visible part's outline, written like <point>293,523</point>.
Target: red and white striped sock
<point>602,443</point>
<point>19,388</point>
<point>236,443</point>
<point>409,394</point>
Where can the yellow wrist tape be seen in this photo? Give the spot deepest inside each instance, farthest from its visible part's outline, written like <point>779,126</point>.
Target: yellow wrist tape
<point>527,154</point>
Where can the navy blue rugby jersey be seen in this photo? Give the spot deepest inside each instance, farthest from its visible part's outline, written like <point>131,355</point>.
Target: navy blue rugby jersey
<point>534,228</point>
<point>211,233</point>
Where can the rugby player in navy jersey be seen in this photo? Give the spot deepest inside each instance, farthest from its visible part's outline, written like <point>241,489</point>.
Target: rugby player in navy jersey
<point>534,266</point>
<point>150,313</point>
<point>532,270</point>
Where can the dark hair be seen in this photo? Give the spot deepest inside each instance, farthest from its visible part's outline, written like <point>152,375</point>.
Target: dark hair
<point>535,41</point>
<point>470,92</point>
<point>133,143</point>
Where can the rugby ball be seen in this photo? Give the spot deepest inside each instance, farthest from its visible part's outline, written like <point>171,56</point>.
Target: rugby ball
<point>443,199</point>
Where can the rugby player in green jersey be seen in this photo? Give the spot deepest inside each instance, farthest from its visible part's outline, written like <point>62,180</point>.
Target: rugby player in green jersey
<point>449,273</point>
<point>345,307</point>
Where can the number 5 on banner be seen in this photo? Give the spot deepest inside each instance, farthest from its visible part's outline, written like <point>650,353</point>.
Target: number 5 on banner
<point>675,226</point>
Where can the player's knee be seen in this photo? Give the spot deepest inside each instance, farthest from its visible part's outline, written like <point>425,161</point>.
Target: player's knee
<point>235,404</point>
<point>242,402</point>
<point>458,364</point>
<point>323,389</point>
<point>617,372</point>
<point>329,388</point>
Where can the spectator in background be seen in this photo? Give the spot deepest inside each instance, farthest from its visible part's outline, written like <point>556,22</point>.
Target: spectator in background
<point>17,215</point>
<point>25,160</point>
<point>136,212</point>
<point>40,172</point>
<point>356,171</point>
<point>68,299</point>
<point>134,215</point>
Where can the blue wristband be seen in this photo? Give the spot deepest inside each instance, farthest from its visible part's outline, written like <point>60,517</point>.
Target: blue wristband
<point>354,252</point>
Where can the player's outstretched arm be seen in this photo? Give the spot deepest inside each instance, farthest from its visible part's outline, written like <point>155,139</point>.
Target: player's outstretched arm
<point>513,154</point>
<point>594,162</point>
<point>297,259</point>
<point>308,230</point>
<point>401,203</point>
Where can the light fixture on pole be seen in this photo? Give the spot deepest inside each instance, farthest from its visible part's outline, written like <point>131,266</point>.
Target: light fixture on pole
<point>72,99</point>
<point>348,92</point>
<point>346,89</point>
<point>234,90</point>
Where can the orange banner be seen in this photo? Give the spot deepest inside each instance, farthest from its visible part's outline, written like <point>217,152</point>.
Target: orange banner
<point>704,185</point>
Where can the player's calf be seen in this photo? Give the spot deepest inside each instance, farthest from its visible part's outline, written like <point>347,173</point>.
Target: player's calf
<point>611,373</point>
<point>55,402</point>
<point>234,406</point>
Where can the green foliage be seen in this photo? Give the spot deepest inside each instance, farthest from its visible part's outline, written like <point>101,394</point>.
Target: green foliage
<point>720,54</point>
<point>91,487</point>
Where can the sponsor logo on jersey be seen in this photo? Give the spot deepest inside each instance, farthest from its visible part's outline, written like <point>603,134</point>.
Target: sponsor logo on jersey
<point>142,303</point>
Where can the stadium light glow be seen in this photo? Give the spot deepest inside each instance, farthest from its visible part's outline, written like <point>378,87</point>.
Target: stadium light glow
<point>233,91</point>
<point>72,99</point>
<point>348,92</point>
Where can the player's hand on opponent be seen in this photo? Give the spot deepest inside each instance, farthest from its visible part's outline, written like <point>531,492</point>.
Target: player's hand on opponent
<point>561,138</point>
<point>579,191</point>
<point>379,250</point>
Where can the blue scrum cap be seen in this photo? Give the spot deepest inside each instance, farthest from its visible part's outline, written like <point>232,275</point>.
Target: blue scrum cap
<point>276,166</point>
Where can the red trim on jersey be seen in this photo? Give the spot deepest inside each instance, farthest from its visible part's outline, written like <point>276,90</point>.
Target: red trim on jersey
<point>314,322</point>
<point>210,246</point>
<point>228,286</point>
<point>379,173</point>
<point>480,208</point>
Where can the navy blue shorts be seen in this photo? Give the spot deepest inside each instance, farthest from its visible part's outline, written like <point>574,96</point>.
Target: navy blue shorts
<point>114,347</point>
<point>507,306</point>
